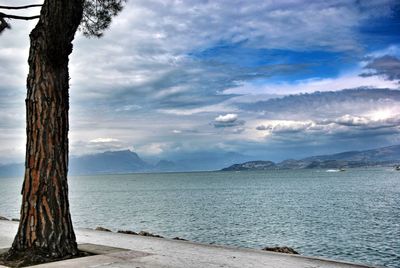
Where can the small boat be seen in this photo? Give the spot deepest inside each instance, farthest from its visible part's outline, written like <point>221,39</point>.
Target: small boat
<point>335,170</point>
<point>332,170</point>
<point>397,168</point>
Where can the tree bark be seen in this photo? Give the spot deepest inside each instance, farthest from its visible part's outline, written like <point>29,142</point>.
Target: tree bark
<point>45,228</point>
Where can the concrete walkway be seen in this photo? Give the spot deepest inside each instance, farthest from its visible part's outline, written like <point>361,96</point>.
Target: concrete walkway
<point>149,252</point>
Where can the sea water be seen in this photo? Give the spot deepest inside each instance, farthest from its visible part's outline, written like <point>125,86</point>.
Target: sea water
<point>352,215</point>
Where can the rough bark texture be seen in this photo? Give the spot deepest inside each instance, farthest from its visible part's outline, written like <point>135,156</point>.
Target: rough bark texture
<point>45,229</point>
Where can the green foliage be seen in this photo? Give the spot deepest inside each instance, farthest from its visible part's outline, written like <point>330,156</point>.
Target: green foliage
<point>97,16</point>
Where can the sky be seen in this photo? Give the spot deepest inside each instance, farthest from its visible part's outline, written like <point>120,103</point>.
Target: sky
<point>266,79</point>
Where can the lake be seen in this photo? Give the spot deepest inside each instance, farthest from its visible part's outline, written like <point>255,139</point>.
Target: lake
<point>352,215</point>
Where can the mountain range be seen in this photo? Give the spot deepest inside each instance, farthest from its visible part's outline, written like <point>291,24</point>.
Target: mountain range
<point>126,161</point>
<point>385,156</point>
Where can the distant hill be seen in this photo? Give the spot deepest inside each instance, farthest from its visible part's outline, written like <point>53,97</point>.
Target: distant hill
<point>200,161</point>
<point>101,163</point>
<point>12,170</point>
<point>252,165</point>
<point>386,156</point>
<point>390,153</point>
<point>126,161</point>
<point>108,162</point>
<point>165,165</point>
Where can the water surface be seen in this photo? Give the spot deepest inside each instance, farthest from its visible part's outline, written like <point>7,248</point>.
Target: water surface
<point>352,215</point>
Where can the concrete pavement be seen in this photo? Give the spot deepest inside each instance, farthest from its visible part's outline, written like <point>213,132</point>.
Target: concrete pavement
<point>149,252</point>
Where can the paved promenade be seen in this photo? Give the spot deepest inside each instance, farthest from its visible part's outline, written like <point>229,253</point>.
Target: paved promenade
<point>121,250</point>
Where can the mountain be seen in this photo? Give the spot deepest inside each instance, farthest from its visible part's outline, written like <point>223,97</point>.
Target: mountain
<point>165,166</point>
<point>390,153</point>
<point>108,162</point>
<point>252,165</point>
<point>385,156</point>
<point>204,160</point>
<point>129,162</point>
<point>126,161</point>
<point>12,170</point>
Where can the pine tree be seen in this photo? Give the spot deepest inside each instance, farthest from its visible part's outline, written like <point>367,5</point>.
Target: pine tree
<point>45,229</point>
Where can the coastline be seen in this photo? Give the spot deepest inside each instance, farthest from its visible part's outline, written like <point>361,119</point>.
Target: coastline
<point>148,251</point>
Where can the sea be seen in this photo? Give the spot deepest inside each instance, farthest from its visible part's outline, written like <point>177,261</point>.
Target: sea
<point>352,215</point>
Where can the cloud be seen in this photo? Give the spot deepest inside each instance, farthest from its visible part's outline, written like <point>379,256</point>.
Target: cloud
<point>187,111</point>
<point>238,130</point>
<point>347,81</point>
<point>157,65</point>
<point>103,140</point>
<point>342,127</point>
<point>264,127</point>
<point>153,149</point>
<point>177,65</point>
<point>163,65</point>
<point>227,120</point>
<point>81,147</point>
<point>127,108</point>
<point>349,118</point>
<point>370,122</point>
<point>352,121</point>
<point>322,105</point>
<point>391,50</point>
<point>284,127</point>
<point>182,24</point>
<point>387,66</point>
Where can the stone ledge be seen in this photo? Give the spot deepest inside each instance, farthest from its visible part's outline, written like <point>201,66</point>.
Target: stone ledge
<point>140,251</point>
<point>99,249</point>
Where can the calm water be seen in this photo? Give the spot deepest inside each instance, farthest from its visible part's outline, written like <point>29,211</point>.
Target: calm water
<point>352,215</point>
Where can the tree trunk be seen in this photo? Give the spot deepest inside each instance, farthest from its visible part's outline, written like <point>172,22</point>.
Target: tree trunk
<point>45,228</point>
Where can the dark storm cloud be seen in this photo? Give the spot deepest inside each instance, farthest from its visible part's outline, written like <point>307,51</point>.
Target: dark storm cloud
<point>161,64</point>
<point>157,73</point>
<point>321,105</point>
<point>363,114</point>
<point>387,66</point>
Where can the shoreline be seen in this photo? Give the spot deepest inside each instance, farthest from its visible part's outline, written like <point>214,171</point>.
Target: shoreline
<point>157,252</point>
<point>278,249</point>
<point>152,252</point>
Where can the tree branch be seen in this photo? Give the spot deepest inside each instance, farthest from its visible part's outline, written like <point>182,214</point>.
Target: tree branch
<point>20,7</point>
<point>3,25</point>
<point>7,16</point>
